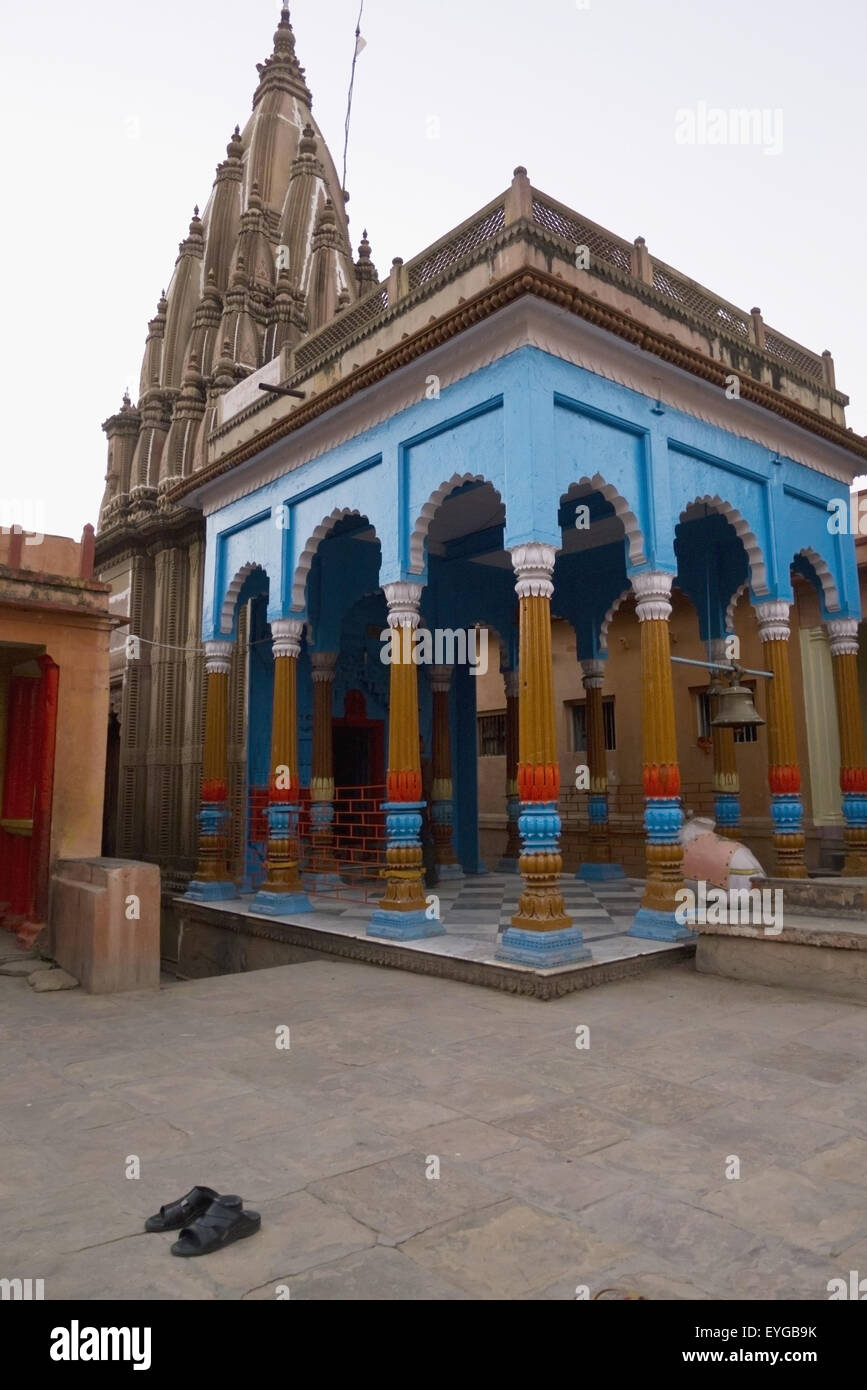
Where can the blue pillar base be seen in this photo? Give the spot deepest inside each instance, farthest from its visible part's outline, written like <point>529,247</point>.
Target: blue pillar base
<point>600,873</point>
<point>211,892</point>
<point>280,904</point>
<point>447,871</point>
<point>507,866</point>
<point>403,926</point>
<point>543,950</point>
<point>651,925</point>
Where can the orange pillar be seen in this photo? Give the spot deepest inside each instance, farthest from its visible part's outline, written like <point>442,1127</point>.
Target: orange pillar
<point>784,774</point>
<point>663,816</point>
<point>541,932</point>
<point>212,882</point>
<point>843,634</point>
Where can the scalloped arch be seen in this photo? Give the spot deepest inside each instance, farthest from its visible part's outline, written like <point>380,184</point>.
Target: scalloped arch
<point>308,554</point>
<point>749,540</point>
<point>623,511</point>
<point>227,612</point>
<point>610,616</point>
<point>732,607</point>
<point>830,591</point>
<point>422,526</point>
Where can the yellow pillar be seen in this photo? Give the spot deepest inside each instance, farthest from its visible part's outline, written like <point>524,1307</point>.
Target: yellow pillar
<point>212,881</point>
<point>598,867</point>
<point>404,913</point>
<point>843,634</point>
<point>281,892</point>
<point>442,790</point>
<point>324,869</point>
<point>784,774</point>
<point>512,852</point>
<point>541,932</point>
<point>726,783</point>
<point>663,816</point>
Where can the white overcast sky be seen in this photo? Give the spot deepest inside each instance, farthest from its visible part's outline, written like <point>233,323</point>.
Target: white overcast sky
<point>116,114</point>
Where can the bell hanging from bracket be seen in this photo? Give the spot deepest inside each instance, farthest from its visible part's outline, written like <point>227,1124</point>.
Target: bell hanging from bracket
<point>736,707</point>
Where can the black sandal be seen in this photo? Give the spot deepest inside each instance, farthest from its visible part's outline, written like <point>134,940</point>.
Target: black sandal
<point>224,1222</point>
<point>180,1213</point>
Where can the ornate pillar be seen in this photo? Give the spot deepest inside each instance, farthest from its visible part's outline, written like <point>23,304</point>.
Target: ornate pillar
<point>726,783</point>
<point>784,774</point>
<point>281,894</point>
<point>512,853</point>
<point>598,866</point>
<point>442,791</point>
<point>324,869</point>
<point>403,913</point>
<point>541,933</point>
<point>663,816</point>
<point>843,633</point>
<point>212,882</point>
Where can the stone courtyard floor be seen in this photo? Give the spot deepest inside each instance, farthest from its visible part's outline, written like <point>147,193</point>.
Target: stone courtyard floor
<point>559,1168</point>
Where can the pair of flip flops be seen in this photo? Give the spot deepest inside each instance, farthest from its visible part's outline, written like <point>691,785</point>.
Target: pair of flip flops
<point>206,1220</point>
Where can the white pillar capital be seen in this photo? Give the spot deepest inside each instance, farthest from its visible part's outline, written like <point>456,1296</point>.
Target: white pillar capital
<point>403,601</point>
<point>218,658</point>
<point>440,678</point>
<point>287,634</point>
<point>653,595</point>
<point>324,666</point>
<point>593,674</point>
<point>774,620</point>
<point>512,682</point>
<point>533,564</point>
<point>843,636</point>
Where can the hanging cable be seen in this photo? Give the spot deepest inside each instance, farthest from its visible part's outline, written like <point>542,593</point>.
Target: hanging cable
<point>359,45</point>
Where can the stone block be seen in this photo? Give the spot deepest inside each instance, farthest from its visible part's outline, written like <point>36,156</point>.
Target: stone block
<point>104,923</point>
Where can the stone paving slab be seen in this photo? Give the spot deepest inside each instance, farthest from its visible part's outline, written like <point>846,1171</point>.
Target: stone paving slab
<point>558,1167</point>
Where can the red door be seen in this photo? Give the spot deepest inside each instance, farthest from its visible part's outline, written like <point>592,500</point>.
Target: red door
<point>28,786</point>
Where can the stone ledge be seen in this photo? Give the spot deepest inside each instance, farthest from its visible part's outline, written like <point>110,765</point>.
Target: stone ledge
<point>537,984</point>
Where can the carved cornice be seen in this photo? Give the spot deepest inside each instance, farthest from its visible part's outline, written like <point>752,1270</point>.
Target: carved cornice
<point>547,287</point>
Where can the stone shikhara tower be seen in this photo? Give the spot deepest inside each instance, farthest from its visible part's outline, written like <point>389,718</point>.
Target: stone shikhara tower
<point>266,263</point>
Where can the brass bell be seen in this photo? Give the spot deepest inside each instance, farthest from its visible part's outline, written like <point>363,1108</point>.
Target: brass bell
<point>736,706</point>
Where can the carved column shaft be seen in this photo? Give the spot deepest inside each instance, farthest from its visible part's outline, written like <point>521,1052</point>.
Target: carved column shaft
<point>402,913</point>
<point>843,633</point>
<point>726,782</point>
<point>281,892</point>
<point>784,774</point>
<point>212,879</point>
<point>512,851</point>
<point>599,851</point>
<point>442,791</point>
<point>661,771</point>
<point>323,864</point>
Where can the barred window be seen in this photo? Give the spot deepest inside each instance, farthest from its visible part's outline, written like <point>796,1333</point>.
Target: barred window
<point>579,725</point>
<point>492,735</point>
